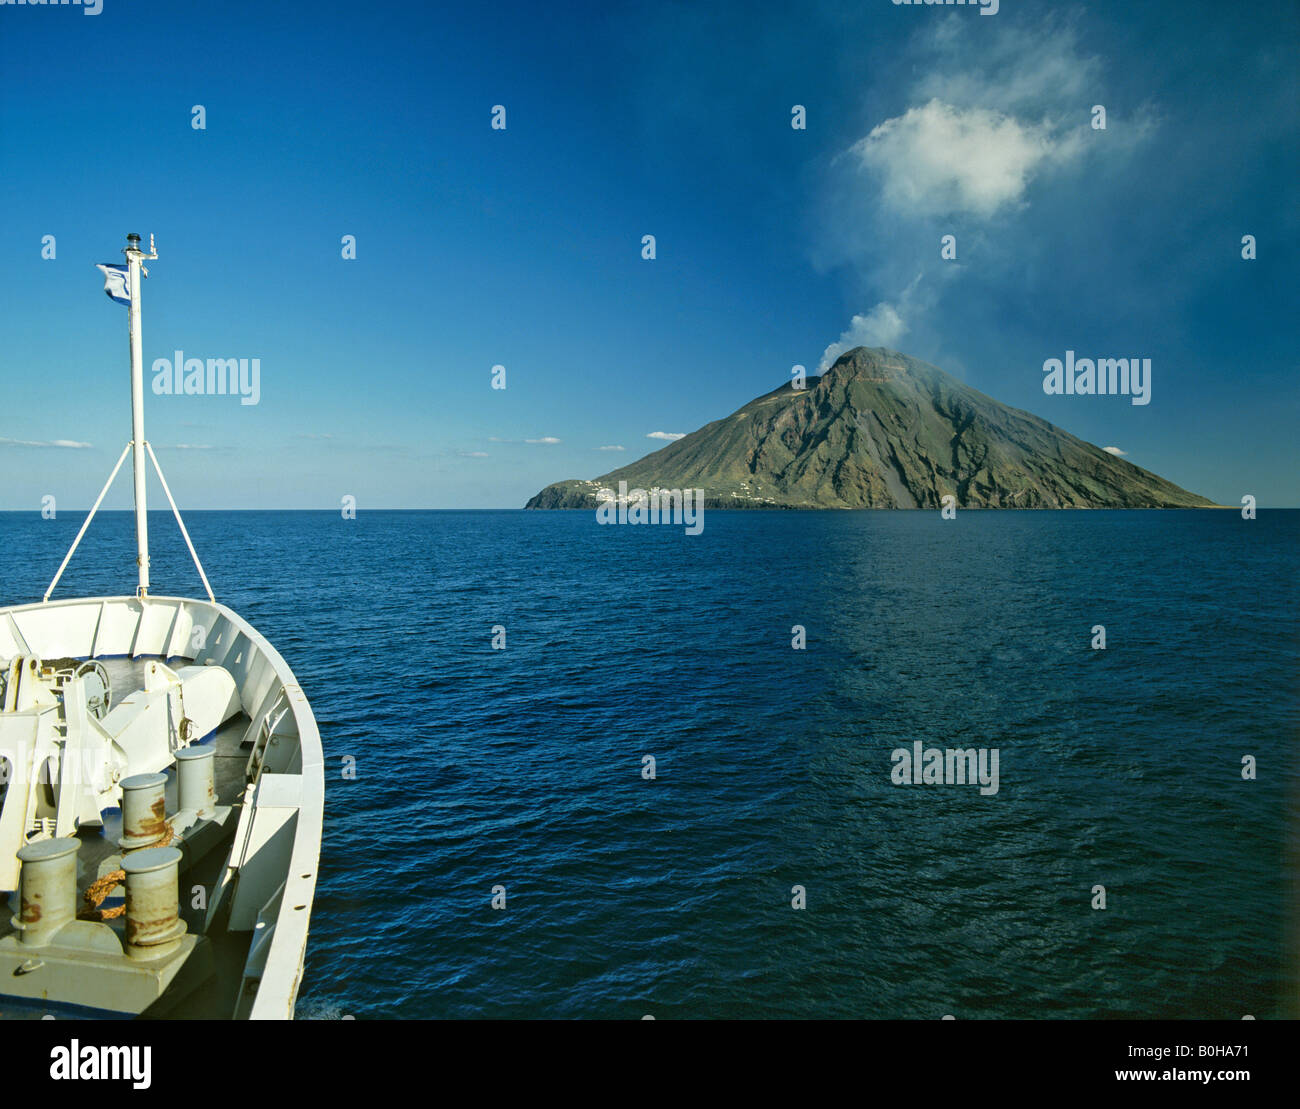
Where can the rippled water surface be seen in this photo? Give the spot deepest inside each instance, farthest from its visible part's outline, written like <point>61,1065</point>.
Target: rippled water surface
<point>624,896</point>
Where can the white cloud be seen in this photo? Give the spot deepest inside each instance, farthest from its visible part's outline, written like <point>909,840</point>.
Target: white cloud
<point>939,159</point>
<point>1115,451</point>
<point>974,135</point>
<point>609,448</point>
<point>473,454</point>
<point>68,444</point>
<point>549,440</point>
<point>186,447</point>
<point>669,435</point>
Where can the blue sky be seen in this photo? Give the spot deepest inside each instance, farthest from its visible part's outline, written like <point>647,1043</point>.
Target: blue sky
<point>522,247</point>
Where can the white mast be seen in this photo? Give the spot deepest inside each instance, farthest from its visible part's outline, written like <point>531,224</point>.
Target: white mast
<point>138,444</point>
<point>134,256</point>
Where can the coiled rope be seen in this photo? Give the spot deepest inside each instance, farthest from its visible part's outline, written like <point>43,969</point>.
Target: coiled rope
<point>100,888</point>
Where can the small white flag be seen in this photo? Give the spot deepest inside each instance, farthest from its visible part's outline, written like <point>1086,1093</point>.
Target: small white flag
<point>117,282</point>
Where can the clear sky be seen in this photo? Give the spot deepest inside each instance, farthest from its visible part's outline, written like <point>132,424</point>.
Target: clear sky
<point>523,246</point>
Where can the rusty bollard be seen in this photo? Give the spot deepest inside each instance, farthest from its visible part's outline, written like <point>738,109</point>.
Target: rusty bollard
<point>194,776</point>
<point>153,924</point>
<point>144,811</point>
<point>47,888</point>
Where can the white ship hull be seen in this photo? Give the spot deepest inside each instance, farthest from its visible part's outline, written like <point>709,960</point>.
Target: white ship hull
<point>254,852</point>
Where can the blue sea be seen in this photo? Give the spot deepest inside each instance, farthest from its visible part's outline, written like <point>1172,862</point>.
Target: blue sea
<point>673,896</point>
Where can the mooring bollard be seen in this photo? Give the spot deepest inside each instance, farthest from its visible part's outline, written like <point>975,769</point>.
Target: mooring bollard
<point>195,776</point>
<point>47,888</point>
<point>144,811</point>
<point>153,924</point>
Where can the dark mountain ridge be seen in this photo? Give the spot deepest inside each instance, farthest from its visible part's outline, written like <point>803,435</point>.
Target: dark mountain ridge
<point>882,430</point>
